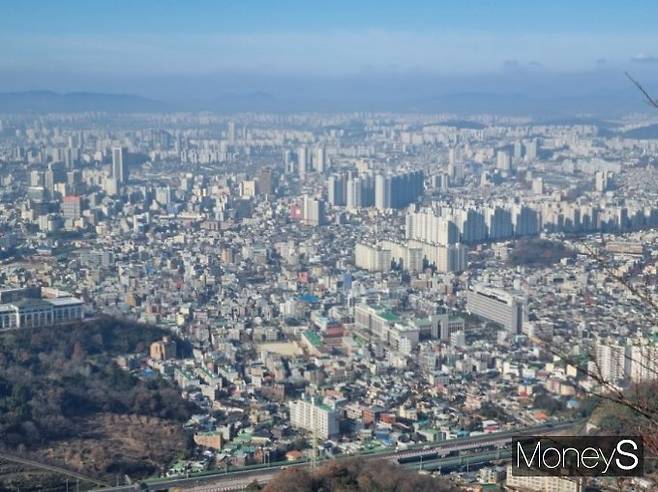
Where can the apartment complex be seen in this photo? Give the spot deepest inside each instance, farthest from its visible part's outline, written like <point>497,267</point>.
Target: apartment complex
<point>314,417</point>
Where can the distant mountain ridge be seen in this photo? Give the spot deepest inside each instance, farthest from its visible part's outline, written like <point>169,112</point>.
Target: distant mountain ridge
<point>545,108</point>
<point>75,102</point>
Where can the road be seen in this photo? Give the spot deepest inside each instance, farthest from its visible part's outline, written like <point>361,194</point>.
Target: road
<point>221,481</point>
<point>51,468</point>
<point>457,461</point>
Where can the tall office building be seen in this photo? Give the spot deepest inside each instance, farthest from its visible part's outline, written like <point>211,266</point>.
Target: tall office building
<point>118,165</point>
<point>497,305</point>
<point>314,417</point>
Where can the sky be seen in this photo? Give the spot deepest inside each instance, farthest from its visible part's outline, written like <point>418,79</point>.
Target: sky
<point>182,49</point>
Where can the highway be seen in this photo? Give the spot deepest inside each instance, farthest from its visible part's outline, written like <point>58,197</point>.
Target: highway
<point>459,461</point>
<point>220,481</point>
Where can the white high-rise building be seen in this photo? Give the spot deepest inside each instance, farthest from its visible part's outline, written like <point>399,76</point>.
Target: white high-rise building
<point>302,160</point>
<point>163,195</point>
<point>547,483</point>
<point>503,161</point>
<point>612,361</point>
<point>602,181</point>
<point>451,258</point>
<point>427,227</point>
<point>383,192</point>
<point>497,305</point>
<point>643,355</point>
<point>118,165</point>
<point>337,190</point>
<point>455,164</point>
<point>313,211</point>
<point>372,258</point>
<point>230,133</point>
<point>531,149</point>
<point>320,159</point>
<point>518,150</point>
<point>314,417</point>
<point>538,186</point>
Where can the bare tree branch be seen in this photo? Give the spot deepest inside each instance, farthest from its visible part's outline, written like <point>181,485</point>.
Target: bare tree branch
<point>650,100</point>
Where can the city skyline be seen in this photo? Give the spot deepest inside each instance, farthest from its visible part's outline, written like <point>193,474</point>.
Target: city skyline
<point>352,247</point>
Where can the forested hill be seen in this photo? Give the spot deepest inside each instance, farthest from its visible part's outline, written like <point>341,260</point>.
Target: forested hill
<point>60,385</point>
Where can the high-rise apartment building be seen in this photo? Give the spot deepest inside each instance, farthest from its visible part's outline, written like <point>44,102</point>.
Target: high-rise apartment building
<point>398,190</point>
<point>118,165</point>
<point>72,207</point>
<point>320,159</point>
<point>313,211</point>
<point>302,161</point>
<point>337,190</point>
<point>372,258</point>
<point>503,161</point>
<point>315,417</point>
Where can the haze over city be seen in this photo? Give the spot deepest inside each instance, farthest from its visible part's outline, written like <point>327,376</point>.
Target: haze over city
<point>328,246</point>
<point>513,56</point>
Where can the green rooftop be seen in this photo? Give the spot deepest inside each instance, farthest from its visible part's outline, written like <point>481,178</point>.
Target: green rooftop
<point>314,338</point>
<point>388,315</point>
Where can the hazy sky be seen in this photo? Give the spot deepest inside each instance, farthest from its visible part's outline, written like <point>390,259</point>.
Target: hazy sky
<point>268,45</point>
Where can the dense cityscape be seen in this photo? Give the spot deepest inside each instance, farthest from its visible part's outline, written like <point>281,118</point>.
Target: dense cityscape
<point>345,283</point>
<point>365,246</point>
